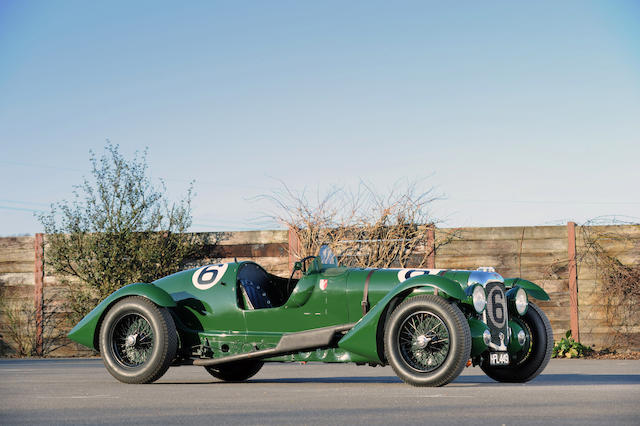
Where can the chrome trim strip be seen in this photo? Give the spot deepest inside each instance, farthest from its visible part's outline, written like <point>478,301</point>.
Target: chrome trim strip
<point>482,278</point>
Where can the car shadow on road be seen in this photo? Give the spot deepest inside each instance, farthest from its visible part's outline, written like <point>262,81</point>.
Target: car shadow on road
<point>351,379</point>
<point>481,380</point>
<point>291,380</point>
<point>557,380</point>
<point>586,379</point>
<point>467,380</point>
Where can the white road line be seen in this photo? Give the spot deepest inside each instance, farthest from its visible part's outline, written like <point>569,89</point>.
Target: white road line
<point>20,370</point>
<point>440,396</point>
<point>78,397</point>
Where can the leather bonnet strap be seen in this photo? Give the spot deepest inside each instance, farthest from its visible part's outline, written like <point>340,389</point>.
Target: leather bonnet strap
<point>365,295</point>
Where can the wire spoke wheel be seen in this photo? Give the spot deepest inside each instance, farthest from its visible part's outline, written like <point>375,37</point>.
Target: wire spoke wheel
<point>132,340</point>
<point>138,340</point>
<point>427,341</point>
<point>424,341</point>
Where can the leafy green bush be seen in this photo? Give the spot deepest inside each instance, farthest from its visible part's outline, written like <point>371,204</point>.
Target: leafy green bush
<point>119,229</point>
<point>569,348</point>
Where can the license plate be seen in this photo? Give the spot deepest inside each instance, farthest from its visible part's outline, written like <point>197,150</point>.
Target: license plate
<point>499,358</point>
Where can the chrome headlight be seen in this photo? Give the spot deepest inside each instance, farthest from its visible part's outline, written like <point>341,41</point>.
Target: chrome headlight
<point>486,337</point>
<point>521,301</point>
<point>522,337</point>
<point>479,298</point>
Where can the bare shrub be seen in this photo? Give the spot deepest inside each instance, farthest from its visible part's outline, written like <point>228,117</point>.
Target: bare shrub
<point>363,227</point>
<point>618,283</point>
<point>21,327</point>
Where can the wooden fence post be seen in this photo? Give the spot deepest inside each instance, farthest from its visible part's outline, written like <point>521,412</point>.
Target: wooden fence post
<point>294,248</point>
<point>573,281</point>
<point>38,289</point>
<point>431,246</point>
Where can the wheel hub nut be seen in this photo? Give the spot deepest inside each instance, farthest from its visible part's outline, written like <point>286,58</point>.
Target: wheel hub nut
<point>131,340</point>
<point>422,341</point>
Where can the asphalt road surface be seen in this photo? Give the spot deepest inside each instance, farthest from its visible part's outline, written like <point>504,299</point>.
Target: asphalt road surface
<point>81,391</point>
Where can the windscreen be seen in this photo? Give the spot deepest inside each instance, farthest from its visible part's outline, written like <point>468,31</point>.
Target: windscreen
<point>327,257</point>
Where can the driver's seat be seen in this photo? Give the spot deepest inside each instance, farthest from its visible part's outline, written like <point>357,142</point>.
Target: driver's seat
<point>255,286</point>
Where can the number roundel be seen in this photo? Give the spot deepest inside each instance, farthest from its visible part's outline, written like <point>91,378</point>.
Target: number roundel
<point>208,276</point>
<point>405,274</point>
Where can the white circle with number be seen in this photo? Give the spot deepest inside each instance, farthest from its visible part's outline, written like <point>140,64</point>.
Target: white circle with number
<point>208,276</point>
<point>405,274</point>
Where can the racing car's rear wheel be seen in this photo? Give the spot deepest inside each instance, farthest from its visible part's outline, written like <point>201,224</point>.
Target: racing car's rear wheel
<point>236,371</point>
<point>138,340</point>
<point>427,341</point>
<point>533,357</point>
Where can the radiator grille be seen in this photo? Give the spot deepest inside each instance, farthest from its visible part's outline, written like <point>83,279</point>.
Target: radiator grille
<point>496,316</point>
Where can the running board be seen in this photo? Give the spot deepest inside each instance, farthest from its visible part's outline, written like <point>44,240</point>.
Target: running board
<point>290,343</point>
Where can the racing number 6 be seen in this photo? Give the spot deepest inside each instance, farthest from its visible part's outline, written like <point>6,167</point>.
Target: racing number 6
<point>212,273</point>
<point>207,276</point>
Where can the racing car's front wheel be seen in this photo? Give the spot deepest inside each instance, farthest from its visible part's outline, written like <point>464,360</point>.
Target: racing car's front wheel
<point>235,371</point>
<point>533,357</point>
<point>427,341</point>
<point>138,340</point>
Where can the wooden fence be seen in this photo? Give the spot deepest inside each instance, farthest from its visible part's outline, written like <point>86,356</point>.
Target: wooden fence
<point>552,256</point>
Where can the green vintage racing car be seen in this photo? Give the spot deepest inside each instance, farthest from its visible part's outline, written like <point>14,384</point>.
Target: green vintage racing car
<point>231,318</point>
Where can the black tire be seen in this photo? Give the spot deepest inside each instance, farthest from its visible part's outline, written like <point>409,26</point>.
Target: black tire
<point>138,340</point>
<point>235,371</point>
<point>534,357</point>
<point>427,341</point>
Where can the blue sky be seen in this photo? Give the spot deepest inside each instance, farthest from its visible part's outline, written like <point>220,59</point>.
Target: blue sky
<point>519,113</point>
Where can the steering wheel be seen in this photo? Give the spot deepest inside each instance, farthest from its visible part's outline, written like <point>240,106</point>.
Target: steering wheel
<point>304,260</point>
<point>303,268</point>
